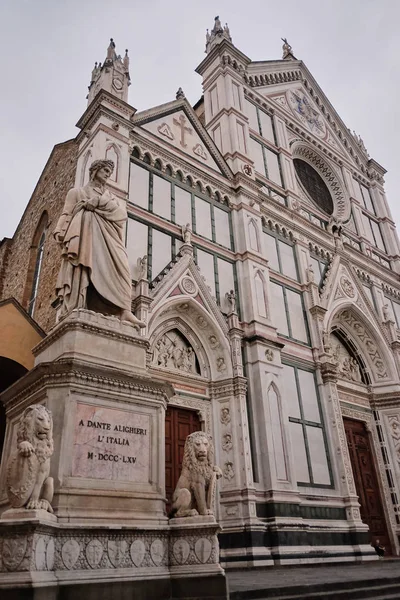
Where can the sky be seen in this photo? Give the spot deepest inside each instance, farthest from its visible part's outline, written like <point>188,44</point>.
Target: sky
<point>49,48</point>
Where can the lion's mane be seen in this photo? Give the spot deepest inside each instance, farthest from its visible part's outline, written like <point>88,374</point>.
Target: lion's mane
<point>27,431</point>
<point>190,463</point>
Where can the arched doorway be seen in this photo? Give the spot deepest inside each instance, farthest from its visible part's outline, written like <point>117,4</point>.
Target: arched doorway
<point>359,358</point>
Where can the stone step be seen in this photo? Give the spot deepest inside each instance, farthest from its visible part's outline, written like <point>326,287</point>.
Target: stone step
<point>346,590</point>
<point>386,592</point>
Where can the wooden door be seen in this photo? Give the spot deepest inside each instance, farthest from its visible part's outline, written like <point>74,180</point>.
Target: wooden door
<point>366,481</point>
<point>179,423</point>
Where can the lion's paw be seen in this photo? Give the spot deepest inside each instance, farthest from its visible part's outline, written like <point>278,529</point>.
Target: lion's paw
<point>33,505</point>
<point>45,505</point>
<point>193,513</point>
<point>26,449</point>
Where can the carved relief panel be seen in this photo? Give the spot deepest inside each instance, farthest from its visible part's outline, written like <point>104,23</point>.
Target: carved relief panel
<point>173,351</point>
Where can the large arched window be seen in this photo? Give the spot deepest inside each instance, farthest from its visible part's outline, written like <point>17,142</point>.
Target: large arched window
<point>35,265</point>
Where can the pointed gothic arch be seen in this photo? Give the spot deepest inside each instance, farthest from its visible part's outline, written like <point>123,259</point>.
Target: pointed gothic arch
<point>113,153</point>
<point>254,235</point>
<point>365,340</point>
<point>85,167</point>
<point>260,288</point>
<point>36,253</point>
<point>204,333</point>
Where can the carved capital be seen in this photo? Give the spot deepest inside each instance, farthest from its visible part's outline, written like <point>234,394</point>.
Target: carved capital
<point>329,368</point>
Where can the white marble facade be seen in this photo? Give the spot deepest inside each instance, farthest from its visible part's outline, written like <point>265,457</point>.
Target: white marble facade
<point>288,210</point>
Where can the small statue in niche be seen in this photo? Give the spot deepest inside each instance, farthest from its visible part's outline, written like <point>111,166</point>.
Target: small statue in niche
<point>187,234</point>
<point>386,313</point>
<point>310,274</point>
<point>28,483</point>
<point>142,267</point>
<point>231,301</point>
<point>195,492</point>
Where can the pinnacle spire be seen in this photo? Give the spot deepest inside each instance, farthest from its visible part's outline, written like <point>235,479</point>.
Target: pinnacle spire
<point>112,75</point>
<point>218,33</point>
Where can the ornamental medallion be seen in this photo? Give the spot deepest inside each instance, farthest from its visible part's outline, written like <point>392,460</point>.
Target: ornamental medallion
<point>305,111</point>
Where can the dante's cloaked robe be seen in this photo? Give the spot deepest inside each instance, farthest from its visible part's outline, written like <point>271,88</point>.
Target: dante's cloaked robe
<point>93,251</point>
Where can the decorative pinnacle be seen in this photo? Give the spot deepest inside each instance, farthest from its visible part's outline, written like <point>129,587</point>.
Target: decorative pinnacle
<point>217,34</point>
<point>180,94</point>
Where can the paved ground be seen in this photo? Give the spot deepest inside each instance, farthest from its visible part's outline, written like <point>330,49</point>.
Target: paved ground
<point>272,577</point>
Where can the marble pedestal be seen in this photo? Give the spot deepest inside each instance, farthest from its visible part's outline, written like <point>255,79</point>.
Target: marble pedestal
<point>108,421</point>
<point>109,526</point>
<point>176,561</point>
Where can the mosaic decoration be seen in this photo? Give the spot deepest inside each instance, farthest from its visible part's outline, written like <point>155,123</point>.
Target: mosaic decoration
<point>305,111</point>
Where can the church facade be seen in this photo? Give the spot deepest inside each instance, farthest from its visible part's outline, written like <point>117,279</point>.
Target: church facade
<point>266,266</point>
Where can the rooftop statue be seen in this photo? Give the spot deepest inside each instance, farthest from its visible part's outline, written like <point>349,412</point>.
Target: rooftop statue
<point>94,271</point>
<point>287,50</point>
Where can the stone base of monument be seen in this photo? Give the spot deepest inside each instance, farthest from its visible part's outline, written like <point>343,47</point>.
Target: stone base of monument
<point>109,536</point>
<point>174,562</point>
<point>194,558</point>
<point>108,418</point>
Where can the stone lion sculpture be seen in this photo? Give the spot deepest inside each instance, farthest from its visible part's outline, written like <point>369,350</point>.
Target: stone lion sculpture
<point>195,492</point>
<point>28,483</point>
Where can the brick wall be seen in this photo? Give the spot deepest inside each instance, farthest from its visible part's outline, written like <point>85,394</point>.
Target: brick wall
<point>18,256</point>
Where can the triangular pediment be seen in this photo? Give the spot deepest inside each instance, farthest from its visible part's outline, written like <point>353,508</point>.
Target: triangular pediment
<point>343,287</point>
<point>348,306</point>
<point>341,284</point>
<point>177,126</point>
<point>281,82</point>
<point>297,102</point>
<point>185,282</point>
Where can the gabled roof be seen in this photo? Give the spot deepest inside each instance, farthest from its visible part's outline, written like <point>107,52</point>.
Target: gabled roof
<point>177,126</point>
<point>269,77</point>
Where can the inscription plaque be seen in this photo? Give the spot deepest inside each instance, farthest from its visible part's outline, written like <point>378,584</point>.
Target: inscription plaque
<point>111,444</point>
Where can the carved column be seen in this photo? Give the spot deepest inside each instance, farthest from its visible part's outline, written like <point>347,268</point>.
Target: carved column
<point>141,303</point>
<point>235,337</point>
<point>339,442</point>
<point>233,450</point>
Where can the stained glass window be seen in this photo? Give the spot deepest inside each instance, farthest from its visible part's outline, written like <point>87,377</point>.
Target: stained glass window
<point>314,185</point>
